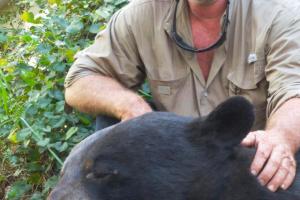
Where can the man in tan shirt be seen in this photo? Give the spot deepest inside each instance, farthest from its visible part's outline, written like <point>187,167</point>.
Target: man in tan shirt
<point>196,54</point>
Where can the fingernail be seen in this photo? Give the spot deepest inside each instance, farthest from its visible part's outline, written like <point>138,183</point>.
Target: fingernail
<point>261,182</point>
<point>283,187</point>
<point>272,188</point>
<point>253,172</point>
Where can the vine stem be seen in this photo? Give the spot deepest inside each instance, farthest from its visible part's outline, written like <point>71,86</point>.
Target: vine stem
<point>40,138</point>
<point>145,94</point>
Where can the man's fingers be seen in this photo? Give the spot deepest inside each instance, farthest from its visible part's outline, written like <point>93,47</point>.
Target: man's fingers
<point>290,176</point>
<point>271,167</point>
<point>249,140</point>
<point>273,160</point>
<point>280,175</point>
<point>261,156</point>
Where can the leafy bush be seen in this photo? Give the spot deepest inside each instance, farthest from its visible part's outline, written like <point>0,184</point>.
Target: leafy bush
<point>38,39</point>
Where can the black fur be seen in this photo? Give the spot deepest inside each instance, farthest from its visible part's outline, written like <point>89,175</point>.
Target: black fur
<point>162,156</point>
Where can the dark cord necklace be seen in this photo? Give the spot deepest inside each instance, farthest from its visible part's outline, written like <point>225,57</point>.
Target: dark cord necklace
<point>182,44</point>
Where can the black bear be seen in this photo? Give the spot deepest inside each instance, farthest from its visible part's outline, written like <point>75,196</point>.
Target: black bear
<point>162,156</point>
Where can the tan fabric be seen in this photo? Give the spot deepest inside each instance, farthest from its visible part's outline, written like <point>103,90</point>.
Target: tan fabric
<point>260,59</point>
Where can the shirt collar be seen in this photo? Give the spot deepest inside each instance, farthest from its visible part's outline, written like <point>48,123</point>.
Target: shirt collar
<point>183,22</point>
<point>182,17</point>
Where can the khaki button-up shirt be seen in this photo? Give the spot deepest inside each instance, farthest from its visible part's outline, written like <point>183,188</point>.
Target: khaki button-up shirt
<point>260,59</point>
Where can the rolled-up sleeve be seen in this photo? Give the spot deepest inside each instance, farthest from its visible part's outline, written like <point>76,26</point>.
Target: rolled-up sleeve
<point>283,60</point>
<point>114,54</point>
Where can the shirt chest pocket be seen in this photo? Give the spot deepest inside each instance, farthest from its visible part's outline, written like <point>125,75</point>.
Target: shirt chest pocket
<point>249,81</point>
<point>168,93</point>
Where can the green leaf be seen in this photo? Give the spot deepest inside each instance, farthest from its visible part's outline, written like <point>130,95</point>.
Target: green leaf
<point>3,38</point>
<point>13,137</point>
<point>105,12</point>
<point>23,135</point>
<point>2,179</point>
<point>75,27</point>
<point>28,77</point>
<point>51,2</point>
<point>84,119</point>
<point>120,2</point>
<point>34,167</point>
<point>47,129</point>
<point>103,27</point>
<point>50,115</point>
<point>43,49</point>
<point>26,38</point>
<point>50,184</point>
<point>34,155</point>
<point>44,60</point>
<point>95,28</point>
<point>44,142</point>
<point>59,21</point>
<point>43,102</point>
<point>31,110</point>
<point>60,106</point>
<point>58,95</point>
<point>35,178</point>
<point>29,17</point>
<point>3,62</point>
<point>61,147</point>
<point>70,55</point>
<point>71,132</point>
<point>17,190</point>
<point>58,123</point>
<point>37,196</point>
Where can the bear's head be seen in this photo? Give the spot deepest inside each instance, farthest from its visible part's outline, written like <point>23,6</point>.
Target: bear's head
<point>161,156</point>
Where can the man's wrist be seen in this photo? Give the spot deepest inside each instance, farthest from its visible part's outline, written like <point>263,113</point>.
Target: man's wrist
<point>132,107</point>
<point>285,121</point>
<point>286,137</point>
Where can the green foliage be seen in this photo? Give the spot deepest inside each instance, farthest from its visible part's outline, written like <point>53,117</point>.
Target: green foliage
<point>37,47</point>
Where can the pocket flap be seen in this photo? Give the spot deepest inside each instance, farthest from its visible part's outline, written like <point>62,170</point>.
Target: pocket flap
<point>248,77</point>
<point>246,83</point>
<point>165,87</point>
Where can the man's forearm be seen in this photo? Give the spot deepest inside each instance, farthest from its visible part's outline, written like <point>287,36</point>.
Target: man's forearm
<point>96,94</point>
<point>286,121</point>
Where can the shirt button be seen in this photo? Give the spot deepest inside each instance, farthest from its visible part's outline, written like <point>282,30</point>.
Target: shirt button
<point>203,99</point>
<point>204,93</point>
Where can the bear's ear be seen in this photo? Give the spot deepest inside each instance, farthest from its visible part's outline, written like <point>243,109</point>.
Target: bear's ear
<point>228,123</point>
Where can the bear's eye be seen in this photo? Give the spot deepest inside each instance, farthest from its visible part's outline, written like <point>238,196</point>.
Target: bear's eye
<point>102,175</point>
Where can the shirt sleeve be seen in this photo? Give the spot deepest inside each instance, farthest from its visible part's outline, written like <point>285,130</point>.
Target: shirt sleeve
<point>283,61</point>
<point>114,54</point>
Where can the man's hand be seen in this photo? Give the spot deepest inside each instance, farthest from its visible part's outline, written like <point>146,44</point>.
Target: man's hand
<point>274,161</point>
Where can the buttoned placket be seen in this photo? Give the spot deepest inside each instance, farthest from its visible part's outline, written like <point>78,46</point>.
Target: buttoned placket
<point>190,58</point>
